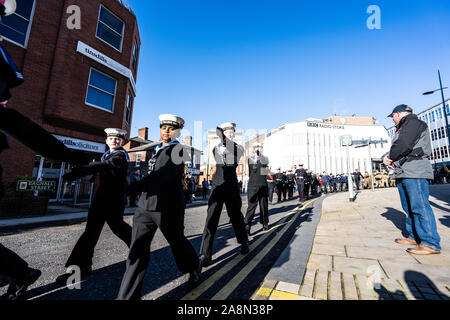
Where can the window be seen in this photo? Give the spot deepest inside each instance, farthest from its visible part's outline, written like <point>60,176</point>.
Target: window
<point>448,110</point>
<point>444,152</point>
<point>440,113</point>
<point>432,116</point>
<point>129,106</point>
<point>135,56</point>
<point>110,28</point>
<point>138,159</point>
<point>101,91</point>
<point>16,27</point>
<point>439,133</point>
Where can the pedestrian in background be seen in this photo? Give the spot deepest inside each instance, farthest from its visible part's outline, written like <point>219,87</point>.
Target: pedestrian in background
<point>408,157</point>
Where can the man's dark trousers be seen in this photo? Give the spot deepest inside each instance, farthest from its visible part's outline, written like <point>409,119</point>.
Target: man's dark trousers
<point>300,188</point>
<point>257,195</point>
<point>279,187</point>
<point>271,187</point>
<point>98,214</point>
<point>145,224</point>
<point>229,195</point>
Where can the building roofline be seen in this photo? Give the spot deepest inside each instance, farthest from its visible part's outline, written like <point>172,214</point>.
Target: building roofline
<point>426,110</point>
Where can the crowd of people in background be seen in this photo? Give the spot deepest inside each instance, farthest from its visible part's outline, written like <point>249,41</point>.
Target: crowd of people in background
<point>314,183</point>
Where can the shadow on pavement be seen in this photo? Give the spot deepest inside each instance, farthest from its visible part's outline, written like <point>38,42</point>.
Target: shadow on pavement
<point>398,218</point>
<point>440,192</point>
<point>419,285</point>
<point>439,207</point>
<point>445,221</point>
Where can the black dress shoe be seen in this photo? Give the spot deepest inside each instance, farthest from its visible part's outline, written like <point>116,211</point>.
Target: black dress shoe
<point>244,248</point>
<point>265,227</point>
<point>16,290</point>
<point>194,280</point>
<point>203,261</point>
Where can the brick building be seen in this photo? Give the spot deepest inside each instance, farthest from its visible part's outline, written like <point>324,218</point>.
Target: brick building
<point>77,81</point>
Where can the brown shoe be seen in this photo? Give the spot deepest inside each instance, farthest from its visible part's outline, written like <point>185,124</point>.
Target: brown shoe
<point>406,241</point>
<point>422,249</point>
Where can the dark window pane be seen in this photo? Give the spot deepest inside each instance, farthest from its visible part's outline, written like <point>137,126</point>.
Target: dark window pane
<point>111,21</point>
<point>107,35</point>
<point>14,28</point>
<point>13,35</point>
<point>103,82</point>
<point>100,99</point>
<point>24,8</point>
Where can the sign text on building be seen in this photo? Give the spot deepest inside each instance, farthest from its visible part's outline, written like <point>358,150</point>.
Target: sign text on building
<point>325,126</point>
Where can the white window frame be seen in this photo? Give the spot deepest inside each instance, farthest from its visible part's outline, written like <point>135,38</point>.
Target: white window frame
<point>30,22</point>
<point>89,85</point>
<point>135,50</point>
<point>123,29</point>
<point>126,107</point>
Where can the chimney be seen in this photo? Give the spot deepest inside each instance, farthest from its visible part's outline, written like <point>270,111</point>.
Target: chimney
<point>143,133</point>
<point>188,141</point>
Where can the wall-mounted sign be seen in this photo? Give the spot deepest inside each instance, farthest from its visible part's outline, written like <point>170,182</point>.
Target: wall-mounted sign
<point>33,185</point>
<point>78,144</point>
<point>325,126</point>
<point>99,57</point>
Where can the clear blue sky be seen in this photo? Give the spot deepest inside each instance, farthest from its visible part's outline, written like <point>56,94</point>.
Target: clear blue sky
<point>264,63</point>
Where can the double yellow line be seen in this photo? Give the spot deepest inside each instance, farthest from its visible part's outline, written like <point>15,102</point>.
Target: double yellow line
<point>234,283</point>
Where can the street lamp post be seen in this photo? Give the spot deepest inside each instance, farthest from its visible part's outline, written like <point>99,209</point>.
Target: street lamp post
<point>443,106</point>
<point>346,141</point>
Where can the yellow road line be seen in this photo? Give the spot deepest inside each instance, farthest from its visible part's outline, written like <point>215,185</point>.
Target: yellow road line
<point>234,283</point>
<point>206,284</point>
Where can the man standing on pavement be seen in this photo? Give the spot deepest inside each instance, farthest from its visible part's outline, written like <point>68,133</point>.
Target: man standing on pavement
<point>357,176</point>
<point>271,185</point>
<point>161,205</point>
<point>290,177</point>
<point>225,191</point>
<point>108,204</point>
<point>408,157</point>
<point>300,177</point>
<point>258,191</point>
<point>279,183</point>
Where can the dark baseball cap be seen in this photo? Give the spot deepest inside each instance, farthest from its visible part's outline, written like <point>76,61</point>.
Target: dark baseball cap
<point>400,108</point>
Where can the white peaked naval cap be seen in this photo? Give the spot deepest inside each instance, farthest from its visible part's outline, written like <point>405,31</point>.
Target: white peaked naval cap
<point>114,132</point>
<point>10,6</point>
<point>172,120</point>
<point>228,126</point>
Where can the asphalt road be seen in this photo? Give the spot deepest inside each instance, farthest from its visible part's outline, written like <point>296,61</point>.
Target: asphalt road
<point>231,276</point>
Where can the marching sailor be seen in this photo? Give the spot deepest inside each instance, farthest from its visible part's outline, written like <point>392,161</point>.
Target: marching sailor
<point>258,191</point>
<point>108,204</point>
<point>161,205</point>
<point>225,191</point>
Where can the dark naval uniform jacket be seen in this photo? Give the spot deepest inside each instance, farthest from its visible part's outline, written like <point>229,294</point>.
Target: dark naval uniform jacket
<point>162,189</point>
<point>258,170</point>
<point>227,159</point>
<point>112,171</point>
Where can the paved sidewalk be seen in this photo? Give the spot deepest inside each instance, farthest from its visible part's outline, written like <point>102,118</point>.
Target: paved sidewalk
<point>354,256</point>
